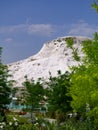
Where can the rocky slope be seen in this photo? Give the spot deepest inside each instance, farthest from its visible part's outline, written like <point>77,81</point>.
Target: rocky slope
<point>53,56</point>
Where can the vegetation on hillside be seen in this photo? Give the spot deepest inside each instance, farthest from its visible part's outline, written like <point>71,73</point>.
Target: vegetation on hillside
<point>70,43</point>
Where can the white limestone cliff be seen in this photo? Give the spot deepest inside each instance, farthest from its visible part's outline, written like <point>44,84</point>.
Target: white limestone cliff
<point>54,56</point>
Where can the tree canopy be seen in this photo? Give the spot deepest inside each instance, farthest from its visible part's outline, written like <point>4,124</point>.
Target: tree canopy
<point>57,90</point>
<point>5,84</point>
<point>35,92</point>
<point>84,80</point>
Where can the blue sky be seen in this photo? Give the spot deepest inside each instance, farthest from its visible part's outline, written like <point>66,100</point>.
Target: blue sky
<point>25,25</point>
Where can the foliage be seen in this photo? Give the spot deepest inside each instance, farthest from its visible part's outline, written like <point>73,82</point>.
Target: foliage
<point>21,123</point>
<point>77,125</point>
<point>15,122</point>
<point>69,42</point>
<point>5,84</point>
<point>90,48</point>
<point>60,116</point>
<point>14,91</point>
<point>35,92</point>
<point>84,80</point>
<point>95,5</point>
<point>75,54</point>
<point>57,93</point>
<point>24,123</point>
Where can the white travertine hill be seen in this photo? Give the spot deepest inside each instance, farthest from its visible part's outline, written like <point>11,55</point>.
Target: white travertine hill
<point>53,56</point>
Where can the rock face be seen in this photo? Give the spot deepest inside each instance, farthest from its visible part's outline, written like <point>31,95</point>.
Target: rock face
<point>53,56</point>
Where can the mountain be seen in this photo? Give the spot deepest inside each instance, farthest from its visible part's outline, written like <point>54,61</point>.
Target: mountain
<point>54,56</point>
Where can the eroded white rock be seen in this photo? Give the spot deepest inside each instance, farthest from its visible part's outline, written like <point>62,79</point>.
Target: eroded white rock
<point>53,56</point>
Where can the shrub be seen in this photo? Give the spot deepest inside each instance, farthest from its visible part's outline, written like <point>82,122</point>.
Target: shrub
<point>75,55</point>
<point>69,42</point>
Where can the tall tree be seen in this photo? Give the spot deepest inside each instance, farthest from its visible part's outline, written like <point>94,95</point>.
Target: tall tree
<point>5,88</point>
<point>35,93</point>
<point>58,88</point>
<point>84,89</point>
<point>5,84</point>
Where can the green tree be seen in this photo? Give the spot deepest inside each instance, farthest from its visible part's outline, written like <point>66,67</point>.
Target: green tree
<point>5,88</point>
<point>95,5</point>
<point>84,80</point>
<point>57,97</point>
<point>35,93</point>
<point>70,43</point>
<point>5,84</point>
<point>90,48</point>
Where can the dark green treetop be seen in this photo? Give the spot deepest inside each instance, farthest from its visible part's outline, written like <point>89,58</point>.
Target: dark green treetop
<point>5,84</point>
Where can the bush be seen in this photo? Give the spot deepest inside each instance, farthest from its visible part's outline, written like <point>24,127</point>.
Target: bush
<point>75,55</point>
<point>60,116</point>
<point>69,42</point>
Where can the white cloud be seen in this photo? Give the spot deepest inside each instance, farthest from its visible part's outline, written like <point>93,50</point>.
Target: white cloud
<point>82,28</point>
<point>42,29</point>
<point>38,29</point>
<point>13,28</point>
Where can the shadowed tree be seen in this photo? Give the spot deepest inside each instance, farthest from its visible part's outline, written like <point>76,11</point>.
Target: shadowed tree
<point>57,90</point>
<point>35,93</point>
<point>5,84</point>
